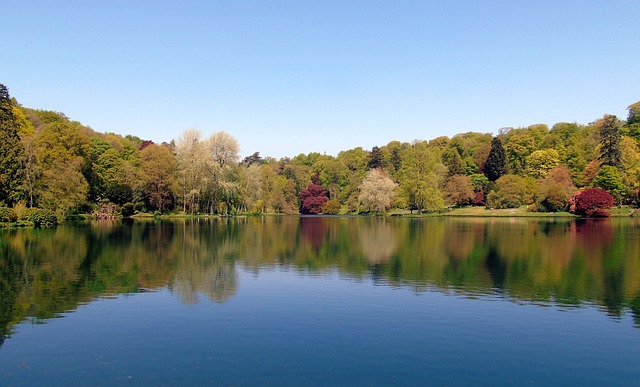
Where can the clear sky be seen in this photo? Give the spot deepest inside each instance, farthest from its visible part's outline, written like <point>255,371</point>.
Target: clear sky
<point>290,77</point>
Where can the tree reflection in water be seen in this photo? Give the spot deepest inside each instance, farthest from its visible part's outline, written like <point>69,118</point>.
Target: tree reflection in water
<point>566,262</point>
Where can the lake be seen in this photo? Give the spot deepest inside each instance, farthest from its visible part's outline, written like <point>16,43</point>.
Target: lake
<point>322,301</point>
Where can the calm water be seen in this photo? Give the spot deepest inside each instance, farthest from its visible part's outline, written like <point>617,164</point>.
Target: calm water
<point>322,301</point>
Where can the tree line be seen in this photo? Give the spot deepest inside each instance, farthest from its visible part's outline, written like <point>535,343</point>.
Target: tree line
<point>55,164</point>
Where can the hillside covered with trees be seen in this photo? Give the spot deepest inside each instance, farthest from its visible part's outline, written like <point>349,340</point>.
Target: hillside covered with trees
<point>54,167</point>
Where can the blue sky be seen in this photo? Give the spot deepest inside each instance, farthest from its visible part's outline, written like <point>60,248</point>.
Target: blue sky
<point>290,77</point>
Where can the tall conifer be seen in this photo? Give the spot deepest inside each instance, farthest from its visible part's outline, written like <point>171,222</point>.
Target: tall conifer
<point>496,164</point>
<point>11,151</point>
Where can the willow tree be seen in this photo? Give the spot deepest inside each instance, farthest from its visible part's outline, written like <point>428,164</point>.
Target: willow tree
<point>377,191</point>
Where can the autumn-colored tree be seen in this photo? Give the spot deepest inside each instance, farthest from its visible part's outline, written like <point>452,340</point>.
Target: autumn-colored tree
<point>593,202</point>
<point>554,190</point>
<point>313,199</point>
<point>458,190</point>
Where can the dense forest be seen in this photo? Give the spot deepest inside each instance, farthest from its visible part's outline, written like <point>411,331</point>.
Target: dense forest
<point>54,167</point>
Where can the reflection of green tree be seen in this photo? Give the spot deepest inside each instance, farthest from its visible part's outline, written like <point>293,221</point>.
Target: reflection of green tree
<point>46,272</point>
<point>10,275</point>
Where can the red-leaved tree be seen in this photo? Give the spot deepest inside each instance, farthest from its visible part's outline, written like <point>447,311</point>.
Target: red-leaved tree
<point>313,199</point>
<point>592,202</point>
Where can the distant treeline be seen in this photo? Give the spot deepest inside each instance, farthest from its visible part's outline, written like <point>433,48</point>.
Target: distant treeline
<point>53,163</point>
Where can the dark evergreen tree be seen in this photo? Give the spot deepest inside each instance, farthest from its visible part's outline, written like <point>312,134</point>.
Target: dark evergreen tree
<point>609,129</point>
<point>375,158</point>
<point>634,114</point>
<point>496,164</point>
<point>11,151</point>
<point>253,159</point>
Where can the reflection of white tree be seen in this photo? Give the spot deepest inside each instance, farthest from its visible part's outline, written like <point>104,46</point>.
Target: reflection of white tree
<point>201,269</point>
<point>378,241</point>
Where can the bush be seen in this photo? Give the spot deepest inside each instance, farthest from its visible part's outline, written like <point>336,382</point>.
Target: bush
<point>592,202</point>
<point>128,209</point>
<point>332,207</point>
<point>43,218</point>
<point>8,215</point>
<point>512,191</point>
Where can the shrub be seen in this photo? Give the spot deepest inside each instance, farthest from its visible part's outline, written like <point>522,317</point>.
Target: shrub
<point>592,202</point>
<point>128,209</point>
<point>512,191</point>
<point>332,207</point>
<point>21,209</point>
<point>43,218</point>
<point>8,215</point>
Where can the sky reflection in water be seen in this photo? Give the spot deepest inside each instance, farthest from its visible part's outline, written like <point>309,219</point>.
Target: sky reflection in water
<point>323,301</point>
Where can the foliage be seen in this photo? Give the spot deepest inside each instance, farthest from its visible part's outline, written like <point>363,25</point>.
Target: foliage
<point>518,147</point>
<point>43,218</point>
<point>554,191</point>
<point>11,151</point>
<point>313,199</point>
<point>609,179</point>
<point>128,209</point>
<point>496,164</point>
<point>375,158</point>
<point>592,202</point>
<point>377,191</point>
<point>332,207</point>
<point>458,191</point>
<point>157,166</point>
<point>634,114</point>
<point>8,215</point>
<point>540,162</point>
<point>67,167</point>
<point>609,129</point>
<point>511,192</point>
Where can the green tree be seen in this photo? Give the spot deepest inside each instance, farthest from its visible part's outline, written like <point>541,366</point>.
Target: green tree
<point>518,147</point>
<point>157,166</point>
<point>496,164</point>
<point>540,162</point>
<point>11,151</point>
<point>634,114</point>
<point>609,179</point>
<point>609,129</point>
<point>511,191</point>
<point>375,158</point>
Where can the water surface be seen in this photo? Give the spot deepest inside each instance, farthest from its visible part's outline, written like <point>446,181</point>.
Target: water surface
<point>322,301</point>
